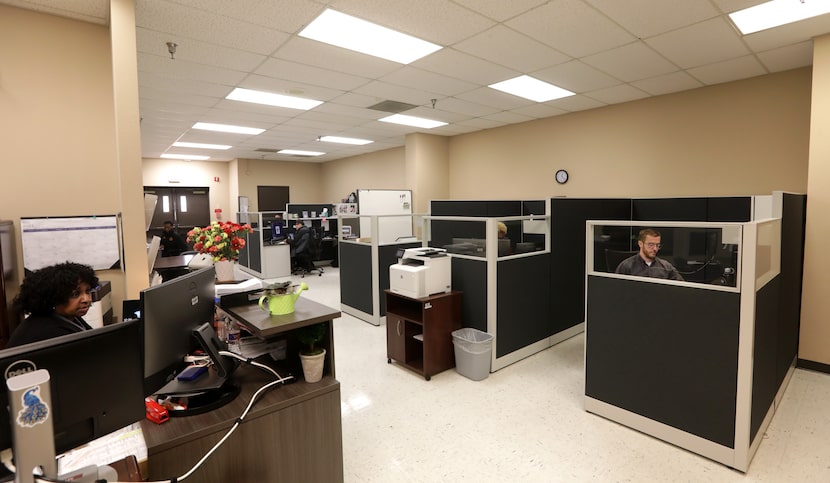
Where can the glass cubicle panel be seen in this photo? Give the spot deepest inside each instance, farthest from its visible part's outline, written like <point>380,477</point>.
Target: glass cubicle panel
<point>468,236</point>
<point>270,226</point>
<point>767,251</point>
<point>700,252</point>
<point>384,229</point>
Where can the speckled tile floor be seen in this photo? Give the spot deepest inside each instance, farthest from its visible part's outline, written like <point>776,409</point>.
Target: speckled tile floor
<point>526,422</point>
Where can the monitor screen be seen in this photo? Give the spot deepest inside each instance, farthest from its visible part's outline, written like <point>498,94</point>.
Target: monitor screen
<point>169,313</point>
<point>95,380</point>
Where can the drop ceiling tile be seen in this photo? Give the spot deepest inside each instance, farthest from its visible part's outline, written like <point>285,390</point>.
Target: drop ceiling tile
<point>337,109</point>
<point>699,44</point>
<point>631,62</point>
<point>571,27</point>
<point>480,123</point>
<point>576,76</point>
<point>428,81</point>
<point>540,111</point>
<point>398,93</point>
<point>460,106</point>
<point>453,63</point>
<point>668,83</point>
<point>197,52</point>
<point>509,117</point>
<point>311,52</point>
<point>176,70</point>
<point>729,70</point>
<point>789,57</point>
<point>437,21</point>
<point>285,15</point>
<point>647,18</point>
<point>184,23</point>
<point>167,96</point>
<point>729,6</point>
<point>499,9</point>
<point>511,49</point>
<point>576,103</point>
<point>494,98</point>
<point>618,94</point>
<point>152,80</point>
<point>289,88</point>
<point>310,75</point>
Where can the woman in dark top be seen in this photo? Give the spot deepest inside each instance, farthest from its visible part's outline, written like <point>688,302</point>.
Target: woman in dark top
<point>56,298</point>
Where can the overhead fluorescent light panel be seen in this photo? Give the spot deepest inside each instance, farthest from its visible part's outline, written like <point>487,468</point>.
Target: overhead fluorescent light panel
<point>342,140</point>
<point>299,152</point>
<point>532,89</point>
<point>352,33</point>
<point>207,126</point>
<point>413,121</point>
<point>776,13</point>
<point>186,157</point>
<point>220,147</point>
<point>272,99</point>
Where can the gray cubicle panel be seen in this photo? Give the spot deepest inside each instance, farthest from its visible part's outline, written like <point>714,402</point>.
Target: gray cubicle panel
<point>355,261</point>
<point>567,252</point>
<point>523,303</point>
<point>470,277</point>
<point>720,209</point>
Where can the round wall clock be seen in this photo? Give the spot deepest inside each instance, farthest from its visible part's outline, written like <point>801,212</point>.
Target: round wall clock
<point>561,176</point>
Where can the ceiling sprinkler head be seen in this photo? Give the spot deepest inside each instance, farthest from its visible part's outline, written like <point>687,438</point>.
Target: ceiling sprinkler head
<point>171,47</point>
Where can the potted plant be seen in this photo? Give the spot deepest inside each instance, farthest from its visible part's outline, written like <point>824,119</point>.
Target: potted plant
<point>312,356</point>
<point>222,241</point>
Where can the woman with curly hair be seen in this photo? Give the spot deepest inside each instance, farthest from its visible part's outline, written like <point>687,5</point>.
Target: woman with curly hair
<point>55,298</point>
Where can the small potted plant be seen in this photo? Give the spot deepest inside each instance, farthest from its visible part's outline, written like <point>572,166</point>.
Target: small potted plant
<point>312,356</point>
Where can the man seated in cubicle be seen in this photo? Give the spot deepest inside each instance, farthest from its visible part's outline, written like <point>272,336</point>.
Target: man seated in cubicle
<point>646,263</point>
<point>172,244</point>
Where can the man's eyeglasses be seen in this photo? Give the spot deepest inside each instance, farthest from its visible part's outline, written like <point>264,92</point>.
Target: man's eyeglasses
<point>654,245</point>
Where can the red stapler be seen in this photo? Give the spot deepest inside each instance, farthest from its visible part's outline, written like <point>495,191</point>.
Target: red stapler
<point>155,411</point>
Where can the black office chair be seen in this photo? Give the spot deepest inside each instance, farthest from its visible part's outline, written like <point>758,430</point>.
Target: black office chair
<point>303,262</point>
<point>615,257</point>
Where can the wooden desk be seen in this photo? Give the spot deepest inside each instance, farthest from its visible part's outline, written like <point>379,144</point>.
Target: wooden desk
<point>293,433</point>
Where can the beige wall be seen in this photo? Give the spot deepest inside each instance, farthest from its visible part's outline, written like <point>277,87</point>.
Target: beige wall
<point>378,170</point>
<point>56,116</point>
<point>814,342</point>
<point>158,172</point>
<point>745,137</point>
<point>303,180</point>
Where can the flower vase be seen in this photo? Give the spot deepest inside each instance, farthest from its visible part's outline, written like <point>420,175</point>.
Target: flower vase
<point>224,270</point>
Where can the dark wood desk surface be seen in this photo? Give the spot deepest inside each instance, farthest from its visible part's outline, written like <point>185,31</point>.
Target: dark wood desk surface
<point>262,324</point>
<point>298,423</point>
<point>178,261</point>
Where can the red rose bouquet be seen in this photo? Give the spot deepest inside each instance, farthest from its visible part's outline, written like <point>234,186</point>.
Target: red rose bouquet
<point>220,240</point>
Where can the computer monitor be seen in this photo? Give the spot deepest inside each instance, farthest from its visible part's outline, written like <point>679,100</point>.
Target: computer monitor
<point>95,380</point>
<point>169,313</point>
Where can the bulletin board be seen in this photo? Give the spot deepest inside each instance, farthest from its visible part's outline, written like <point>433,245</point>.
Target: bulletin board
<point>90,240</point>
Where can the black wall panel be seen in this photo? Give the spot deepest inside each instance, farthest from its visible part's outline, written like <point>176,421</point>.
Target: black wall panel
<point>523,306</point>
<point>470,276</point>
<point>669,209</point>
<point>726,208</point>
<point>764,353</point>
<point>356,276</point>
<point>665,352</point>
<point>793,220</point>
<point>567,265</point>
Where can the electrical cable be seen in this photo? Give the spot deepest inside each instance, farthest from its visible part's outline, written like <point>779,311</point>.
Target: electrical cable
<point>256,364</point>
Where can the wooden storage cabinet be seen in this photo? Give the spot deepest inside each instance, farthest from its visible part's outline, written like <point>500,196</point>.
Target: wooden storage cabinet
<point>419,331</point>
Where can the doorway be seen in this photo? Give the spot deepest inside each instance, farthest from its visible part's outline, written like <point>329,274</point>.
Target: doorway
<point>186,207</point>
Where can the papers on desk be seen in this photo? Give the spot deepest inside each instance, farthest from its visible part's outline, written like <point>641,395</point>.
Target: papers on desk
<point>244,286</point>
<point>106,449</point>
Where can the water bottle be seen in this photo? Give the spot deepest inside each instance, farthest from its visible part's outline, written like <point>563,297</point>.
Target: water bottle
<point>729,276</point>
<point>218,321</point>
<point>232,336</point>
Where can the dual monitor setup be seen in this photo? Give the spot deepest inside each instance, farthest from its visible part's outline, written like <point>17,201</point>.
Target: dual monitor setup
<point>98,379</point>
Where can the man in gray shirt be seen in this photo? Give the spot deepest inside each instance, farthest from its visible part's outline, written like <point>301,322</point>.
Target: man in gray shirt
<point>645,263</point>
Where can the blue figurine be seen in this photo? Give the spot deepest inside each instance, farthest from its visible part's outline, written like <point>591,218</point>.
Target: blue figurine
<point>34,411</point>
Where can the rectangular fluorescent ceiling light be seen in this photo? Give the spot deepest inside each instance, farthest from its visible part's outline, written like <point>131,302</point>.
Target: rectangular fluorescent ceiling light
<point>412,121</point>
<point>271,99</point>
<point>532,89</point>
<point>298,152</point>
<point>188,157</point>
<point>220,147</point>
<point>337,139</point>
<point>228,128</point>
<point>776,13</point>
<point>352,33</point>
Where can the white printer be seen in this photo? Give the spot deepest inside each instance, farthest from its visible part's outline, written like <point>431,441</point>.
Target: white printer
<point>421,272</point>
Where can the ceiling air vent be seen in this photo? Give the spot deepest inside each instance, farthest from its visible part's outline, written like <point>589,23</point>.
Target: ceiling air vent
<point>392,106</point>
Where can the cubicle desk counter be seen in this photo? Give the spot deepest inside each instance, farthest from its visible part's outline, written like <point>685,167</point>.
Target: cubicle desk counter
<point>293,433</point>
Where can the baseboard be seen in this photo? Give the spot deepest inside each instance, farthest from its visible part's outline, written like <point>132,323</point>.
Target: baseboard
<point>813,366</point>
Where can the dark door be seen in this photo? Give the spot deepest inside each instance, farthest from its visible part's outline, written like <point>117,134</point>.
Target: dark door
<point>186,207</point>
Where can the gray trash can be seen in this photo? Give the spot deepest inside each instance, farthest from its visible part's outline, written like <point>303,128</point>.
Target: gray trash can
<point>473,349</point>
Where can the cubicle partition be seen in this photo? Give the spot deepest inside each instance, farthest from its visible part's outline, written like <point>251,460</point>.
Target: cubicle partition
<point>364,261</point>
<point>504,283</point>
<point>699,363</point>
<point>263,256</point>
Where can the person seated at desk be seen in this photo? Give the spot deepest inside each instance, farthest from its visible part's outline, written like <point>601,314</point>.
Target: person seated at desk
<point>172,244</point>
<point>301,241</point>
<point>56,299</point>
<point>645,263</point>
